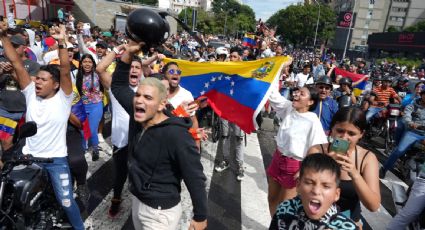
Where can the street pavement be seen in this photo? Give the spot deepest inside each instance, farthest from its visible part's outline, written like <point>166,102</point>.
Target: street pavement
<point>232,205</point>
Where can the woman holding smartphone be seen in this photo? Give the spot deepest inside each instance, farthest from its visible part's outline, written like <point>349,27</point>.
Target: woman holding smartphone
<point>360,168</point>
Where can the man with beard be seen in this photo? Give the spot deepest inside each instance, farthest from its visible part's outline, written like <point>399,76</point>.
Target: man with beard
<point>177,94</point>
<point>327,106</point>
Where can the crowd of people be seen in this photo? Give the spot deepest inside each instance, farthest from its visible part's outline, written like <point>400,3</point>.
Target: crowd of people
<point>67,76</point>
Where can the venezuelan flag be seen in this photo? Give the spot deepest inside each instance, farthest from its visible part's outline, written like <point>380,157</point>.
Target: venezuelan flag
<point>79,111</point>
<point>358,89</point>
<point>249,41</point>
<point>235,90</point>
<point>7,128</point>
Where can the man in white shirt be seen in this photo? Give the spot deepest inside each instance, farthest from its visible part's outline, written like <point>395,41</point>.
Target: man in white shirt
<point>304,78</point>
<point>49,101</point>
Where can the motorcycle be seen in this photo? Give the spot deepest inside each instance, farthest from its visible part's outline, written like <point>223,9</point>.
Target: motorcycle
<point>27,200</point>
<point>394,112</point>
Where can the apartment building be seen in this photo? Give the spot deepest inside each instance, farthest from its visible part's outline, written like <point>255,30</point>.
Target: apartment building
<point>178,5</point>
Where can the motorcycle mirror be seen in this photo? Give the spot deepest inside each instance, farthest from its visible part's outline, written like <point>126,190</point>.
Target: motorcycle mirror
<point>28,129</point>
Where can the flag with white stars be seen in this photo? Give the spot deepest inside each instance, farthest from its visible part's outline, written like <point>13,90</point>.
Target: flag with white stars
<point>235,90</point>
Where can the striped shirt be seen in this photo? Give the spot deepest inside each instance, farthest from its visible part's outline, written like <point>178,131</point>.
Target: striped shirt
<point>384,95</point>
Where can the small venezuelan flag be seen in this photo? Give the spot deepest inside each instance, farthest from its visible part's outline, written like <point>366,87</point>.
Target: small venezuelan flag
<point>7,128</point>
<point>235,90</point>
<point>358,89</point>
<point>249,41</point>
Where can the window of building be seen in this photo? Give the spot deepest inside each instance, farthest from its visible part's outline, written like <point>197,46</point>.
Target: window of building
<point>398,9</point>
<point>401,0</point>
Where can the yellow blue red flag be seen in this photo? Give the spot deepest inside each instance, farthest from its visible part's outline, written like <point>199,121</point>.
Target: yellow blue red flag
<point>235,90</point>
<point>249,40</point>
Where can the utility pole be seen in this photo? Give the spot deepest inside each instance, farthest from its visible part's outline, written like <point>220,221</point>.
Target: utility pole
<point>349,30</point>
<point>317,25</point>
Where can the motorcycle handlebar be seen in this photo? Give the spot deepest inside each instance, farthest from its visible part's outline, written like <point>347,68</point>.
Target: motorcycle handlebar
<point>29,159</point>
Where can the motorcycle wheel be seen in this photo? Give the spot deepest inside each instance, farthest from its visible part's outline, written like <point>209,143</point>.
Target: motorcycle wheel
<point>389,137</point>
<point>215,127</point>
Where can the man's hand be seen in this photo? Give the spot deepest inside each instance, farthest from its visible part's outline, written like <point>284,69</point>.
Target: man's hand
<point>59,32</point>
<point>6,67</point>
<point>3,28</point>
<point>133,47</point>
<point>195,225</point>
<point>413,125</point>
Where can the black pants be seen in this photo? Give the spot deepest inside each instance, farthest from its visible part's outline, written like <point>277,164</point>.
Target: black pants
<point>120,158</point>
<point>77,161</point>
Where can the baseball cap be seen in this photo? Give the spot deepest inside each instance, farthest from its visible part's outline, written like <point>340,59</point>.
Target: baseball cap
<point>17,40</point>
<point>102,44</point>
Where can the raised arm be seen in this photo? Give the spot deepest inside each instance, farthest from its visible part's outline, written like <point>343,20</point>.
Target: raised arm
<point>106,77</point>
<point>65,66</point>
<point>21,76</point>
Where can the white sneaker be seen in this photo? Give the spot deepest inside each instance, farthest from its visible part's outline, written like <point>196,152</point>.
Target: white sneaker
<point>100,137</point>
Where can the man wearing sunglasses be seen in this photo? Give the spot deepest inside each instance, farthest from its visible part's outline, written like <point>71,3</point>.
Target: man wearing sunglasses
<point>327,106</point>
<point>177,94</point>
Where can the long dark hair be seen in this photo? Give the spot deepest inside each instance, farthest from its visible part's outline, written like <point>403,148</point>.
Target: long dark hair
<point>352,115</point>
<point>314,96</point>
<point>80,74</point>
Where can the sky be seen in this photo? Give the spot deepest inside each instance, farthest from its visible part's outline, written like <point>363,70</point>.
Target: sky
<point>265,8</point>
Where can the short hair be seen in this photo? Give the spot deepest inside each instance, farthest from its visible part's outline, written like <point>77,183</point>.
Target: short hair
<point>167,66</point>
<point>320,162</point>
<point>154,82</point>
<point>237,50</point>
<point>159,76</point>
<point>52,70</point>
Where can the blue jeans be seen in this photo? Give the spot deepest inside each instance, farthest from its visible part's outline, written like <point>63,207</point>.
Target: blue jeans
<point>61,180</point>
<point>94,113</point>
<point>413,207</point>
<point>371,112</point>
<point>409,138</point>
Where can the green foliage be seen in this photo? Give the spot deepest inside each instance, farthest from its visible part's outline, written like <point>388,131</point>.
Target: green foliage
<point>238,18</point>
<point>297,23</point>
<point>418,27</point>
<point>392,29</point>
<point>147,2</point>
<point>410,63</point>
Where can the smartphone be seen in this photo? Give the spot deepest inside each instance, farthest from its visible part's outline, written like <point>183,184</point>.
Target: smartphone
<point>199,100</point>
<point>340,146</point>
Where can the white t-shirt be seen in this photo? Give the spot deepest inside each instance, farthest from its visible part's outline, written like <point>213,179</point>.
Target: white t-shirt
<point>181,96</point>
<point>303,79</point>
<point>49,56</point>
<point>120,123</point>
<point>51,116</point>
<point>297,131</point>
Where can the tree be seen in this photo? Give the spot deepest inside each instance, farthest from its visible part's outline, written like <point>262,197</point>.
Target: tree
<point>392,29</point>
<point>297,23</point>
<point>418,27</point>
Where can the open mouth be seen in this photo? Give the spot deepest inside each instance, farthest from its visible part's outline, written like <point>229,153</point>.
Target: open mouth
<point>314,206</point>
<point>37,89</point>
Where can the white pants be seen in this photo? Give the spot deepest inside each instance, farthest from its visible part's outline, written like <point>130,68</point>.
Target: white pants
<point>148,218</point>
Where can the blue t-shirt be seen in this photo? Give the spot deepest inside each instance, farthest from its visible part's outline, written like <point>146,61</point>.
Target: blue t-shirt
<point>325,110</point>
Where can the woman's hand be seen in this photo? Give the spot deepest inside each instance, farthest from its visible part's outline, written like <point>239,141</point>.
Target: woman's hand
<point>347,164</point>
<point>202,133</point>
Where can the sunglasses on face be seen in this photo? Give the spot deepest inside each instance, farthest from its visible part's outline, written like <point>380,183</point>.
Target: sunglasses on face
<point>174,71</point>
<point>324,87</point>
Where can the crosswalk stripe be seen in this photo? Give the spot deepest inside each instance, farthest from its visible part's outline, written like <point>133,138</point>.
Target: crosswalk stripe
<point>255,212</point>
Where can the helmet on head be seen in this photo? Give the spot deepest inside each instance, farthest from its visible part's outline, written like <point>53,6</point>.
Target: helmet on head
<point>387,78</point>
<point>346,80</point>
<point>145,25</point>
<point>403,79</point>
<point>344,101</point>
<point>324,80</point>
<point>221,51</point>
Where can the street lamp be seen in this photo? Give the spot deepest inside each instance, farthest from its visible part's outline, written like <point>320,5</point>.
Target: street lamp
<point>317,25</point>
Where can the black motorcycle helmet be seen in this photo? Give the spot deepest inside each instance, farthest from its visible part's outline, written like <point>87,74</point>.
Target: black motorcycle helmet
<point>148,26</point>
<point>324,80</point>
<point>346,80</point>
<point>344,101</point>
<point>387,78</point>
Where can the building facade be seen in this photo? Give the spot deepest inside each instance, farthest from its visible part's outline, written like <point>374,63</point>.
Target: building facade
<point>372,16</point>
<point>179,5</point>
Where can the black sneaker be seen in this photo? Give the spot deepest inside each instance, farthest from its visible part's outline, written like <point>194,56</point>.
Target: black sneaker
<point>222,166</point>
<point>115,207</point>
<point>95,155</point>
<point>83,193</point>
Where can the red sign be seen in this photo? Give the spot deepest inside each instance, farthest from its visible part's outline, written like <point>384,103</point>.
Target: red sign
<point>344,19</point>
<point>406,38</point>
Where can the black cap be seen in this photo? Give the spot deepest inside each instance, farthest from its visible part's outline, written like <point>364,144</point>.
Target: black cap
<point>102,44</point>
<point>17,40</point>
